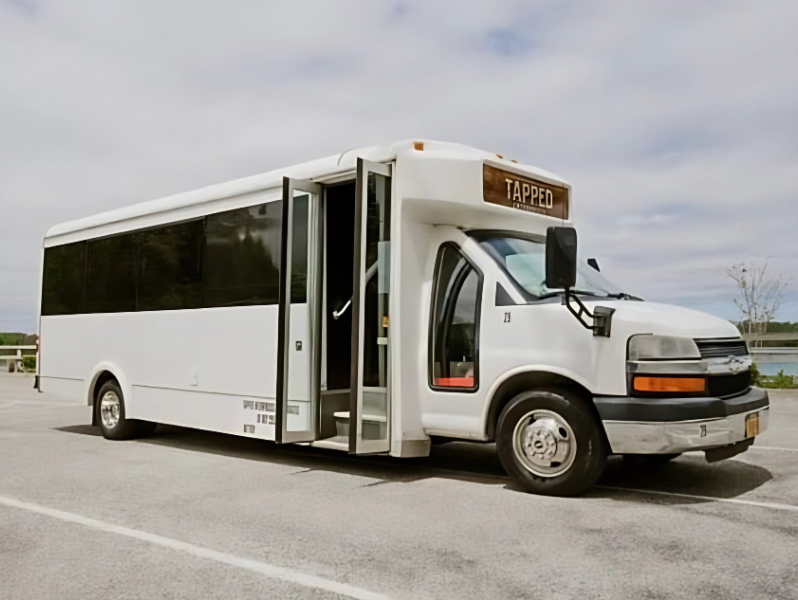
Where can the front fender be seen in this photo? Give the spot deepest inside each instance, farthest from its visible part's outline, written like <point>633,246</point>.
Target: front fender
<point>555,375</point>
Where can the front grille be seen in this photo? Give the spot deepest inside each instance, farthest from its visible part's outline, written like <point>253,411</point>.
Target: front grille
<point>722,347</point>
<point>728,385</point>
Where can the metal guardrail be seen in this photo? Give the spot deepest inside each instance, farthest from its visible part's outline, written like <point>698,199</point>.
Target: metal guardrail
<point>774,355</point>
<point>14,360</point>
<point>772,361</point>
<point>791,336</point>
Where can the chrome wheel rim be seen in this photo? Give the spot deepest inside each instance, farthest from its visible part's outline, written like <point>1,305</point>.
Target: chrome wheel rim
<point>110,408</point>
<point>544,443</point>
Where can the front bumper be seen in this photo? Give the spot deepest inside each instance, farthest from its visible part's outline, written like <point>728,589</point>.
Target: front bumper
<point>674,425</point>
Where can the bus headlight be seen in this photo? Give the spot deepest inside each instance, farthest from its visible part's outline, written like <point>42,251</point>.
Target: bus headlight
<point>662,347</point>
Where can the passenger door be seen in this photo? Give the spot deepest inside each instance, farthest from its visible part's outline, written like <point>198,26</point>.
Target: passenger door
<point>370,398</point>
<point>298,333</point>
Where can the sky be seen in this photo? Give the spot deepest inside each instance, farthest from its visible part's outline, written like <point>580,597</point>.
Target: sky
<point>675,122</point>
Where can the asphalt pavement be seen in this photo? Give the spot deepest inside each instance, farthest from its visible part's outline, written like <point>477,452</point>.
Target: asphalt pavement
<point>191,514</point>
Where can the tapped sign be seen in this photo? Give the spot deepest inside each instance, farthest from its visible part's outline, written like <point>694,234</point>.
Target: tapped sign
<point>524,193</point>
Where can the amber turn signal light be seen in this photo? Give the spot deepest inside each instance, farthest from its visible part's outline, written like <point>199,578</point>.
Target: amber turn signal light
<point>670,384</point>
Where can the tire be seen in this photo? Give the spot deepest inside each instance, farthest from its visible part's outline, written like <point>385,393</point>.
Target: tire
<point>561,425</point>
<point>650,459</point>
<point>110,409</point>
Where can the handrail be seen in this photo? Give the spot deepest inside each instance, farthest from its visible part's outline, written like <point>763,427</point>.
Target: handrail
<point>369,274</point>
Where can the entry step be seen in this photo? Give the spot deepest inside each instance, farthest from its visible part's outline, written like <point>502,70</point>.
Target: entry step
<point>375,427</point>
<point>374,418</point>
<point>339,442</point>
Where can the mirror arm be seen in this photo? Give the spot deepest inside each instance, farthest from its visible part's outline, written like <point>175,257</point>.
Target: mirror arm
<point>601,315</point>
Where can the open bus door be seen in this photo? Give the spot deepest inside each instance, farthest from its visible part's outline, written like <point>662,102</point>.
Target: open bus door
<point>369,407</point>
<point>298,333</point>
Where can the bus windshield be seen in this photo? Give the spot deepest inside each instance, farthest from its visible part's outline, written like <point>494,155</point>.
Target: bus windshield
<point>524,260</point>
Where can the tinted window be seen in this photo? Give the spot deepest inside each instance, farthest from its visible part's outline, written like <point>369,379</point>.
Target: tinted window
<point>376,298</point>
<point>170,267</point>
<point>299,251</point>
<point>455,312</point>
<point>111,274</point>
<point>64,279</point>
<point>226,259</point>
<point>242,256</point>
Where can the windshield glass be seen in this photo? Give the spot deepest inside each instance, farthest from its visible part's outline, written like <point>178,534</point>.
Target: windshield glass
<point>524,261</point>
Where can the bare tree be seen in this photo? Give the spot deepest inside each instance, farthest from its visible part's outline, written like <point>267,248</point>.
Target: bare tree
<point>759,295</point>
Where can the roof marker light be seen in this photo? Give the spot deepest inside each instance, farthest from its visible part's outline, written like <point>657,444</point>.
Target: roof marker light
<point>418,146</point>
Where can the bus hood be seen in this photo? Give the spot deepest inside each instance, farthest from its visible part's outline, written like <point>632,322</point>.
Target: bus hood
<point>665,319</point>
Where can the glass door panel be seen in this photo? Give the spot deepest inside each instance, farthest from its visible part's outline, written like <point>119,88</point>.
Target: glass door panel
<point>369,429</point>
<point>299,317</point>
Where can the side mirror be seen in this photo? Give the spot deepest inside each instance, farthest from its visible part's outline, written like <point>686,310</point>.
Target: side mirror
<point>560,257</point>
<point>593,263</point>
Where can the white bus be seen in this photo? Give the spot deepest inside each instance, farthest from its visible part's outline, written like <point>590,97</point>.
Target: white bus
<point>375,300</point>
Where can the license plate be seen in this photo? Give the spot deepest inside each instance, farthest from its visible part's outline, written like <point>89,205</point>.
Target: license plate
<point>752,425</point>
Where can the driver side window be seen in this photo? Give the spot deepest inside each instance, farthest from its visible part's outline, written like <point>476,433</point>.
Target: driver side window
<point>454,343</point>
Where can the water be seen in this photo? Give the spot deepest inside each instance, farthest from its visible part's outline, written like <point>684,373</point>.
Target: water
<point>772,369</point>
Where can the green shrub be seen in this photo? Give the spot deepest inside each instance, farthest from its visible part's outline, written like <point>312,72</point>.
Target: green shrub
<point>756,376</point>
<point>12,339</point>
<point>29,363</point>
<point>780,381</point>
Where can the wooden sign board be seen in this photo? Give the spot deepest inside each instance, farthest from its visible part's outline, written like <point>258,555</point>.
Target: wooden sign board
<point>524,193</point>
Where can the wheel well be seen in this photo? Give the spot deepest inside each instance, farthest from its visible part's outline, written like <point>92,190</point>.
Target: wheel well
<point>524,382</point>
<point>101,380</point>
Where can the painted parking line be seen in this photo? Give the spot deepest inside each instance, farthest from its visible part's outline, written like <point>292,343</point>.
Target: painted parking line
<point>771,505</point>
<point>271,571</point>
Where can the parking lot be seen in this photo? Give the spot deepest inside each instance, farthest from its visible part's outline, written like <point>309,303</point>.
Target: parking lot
<point>190,514</point>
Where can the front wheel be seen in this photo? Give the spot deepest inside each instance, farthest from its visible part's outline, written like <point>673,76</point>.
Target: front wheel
<point>114,425</point>
<point>551,443</point>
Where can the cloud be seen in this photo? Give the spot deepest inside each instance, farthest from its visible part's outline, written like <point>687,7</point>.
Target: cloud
<point>676,123</point>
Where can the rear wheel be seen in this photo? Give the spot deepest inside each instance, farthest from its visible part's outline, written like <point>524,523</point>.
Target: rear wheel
<point>111,414</point>
<point>551,443</point>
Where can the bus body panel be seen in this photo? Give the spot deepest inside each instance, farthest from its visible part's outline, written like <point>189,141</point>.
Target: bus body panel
<point>215,368</point>
<point>225,355</point>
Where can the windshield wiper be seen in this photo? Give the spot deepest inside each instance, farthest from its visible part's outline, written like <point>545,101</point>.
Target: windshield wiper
<point>573,291</point>
<point>624,296</point>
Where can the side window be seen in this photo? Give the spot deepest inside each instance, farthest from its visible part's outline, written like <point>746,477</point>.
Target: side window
<point>224,259</point>
<point>64,279</point>
<point>170,267</point>
<point>455,322</point>
<point>111,274</point>
<point>242,256</point>
<point>299,250</point>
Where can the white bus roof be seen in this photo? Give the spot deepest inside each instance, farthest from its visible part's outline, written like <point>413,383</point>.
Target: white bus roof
<point>321,169</point>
